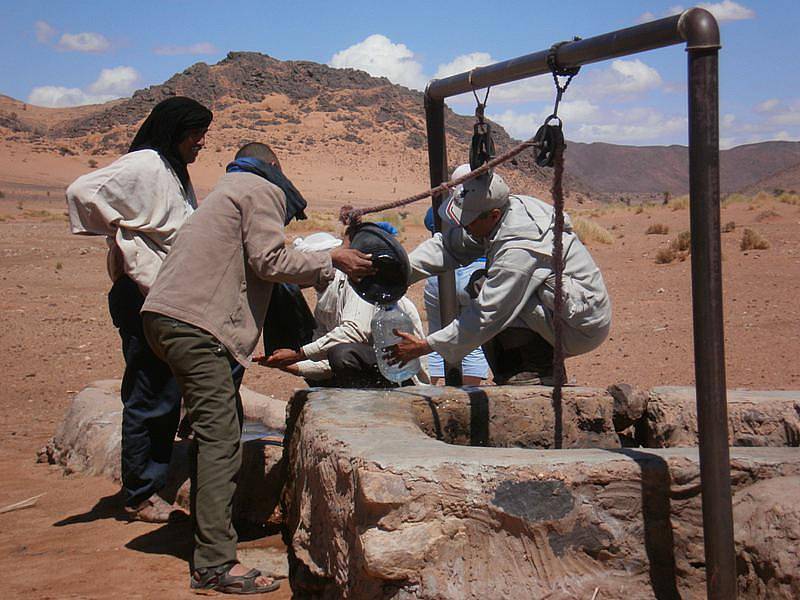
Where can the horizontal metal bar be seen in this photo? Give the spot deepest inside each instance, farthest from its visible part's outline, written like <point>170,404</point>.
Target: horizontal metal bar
<point>696,26</point>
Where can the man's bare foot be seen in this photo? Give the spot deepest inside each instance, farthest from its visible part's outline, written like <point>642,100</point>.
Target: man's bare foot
<point>155,510</point>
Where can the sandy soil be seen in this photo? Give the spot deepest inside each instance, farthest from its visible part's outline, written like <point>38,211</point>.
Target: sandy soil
<point>56,337</point>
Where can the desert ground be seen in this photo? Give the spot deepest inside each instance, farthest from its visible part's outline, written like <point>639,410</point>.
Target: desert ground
<point>56,337</point>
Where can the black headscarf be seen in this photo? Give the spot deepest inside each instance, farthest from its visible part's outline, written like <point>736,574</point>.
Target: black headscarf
<point>166,126</point>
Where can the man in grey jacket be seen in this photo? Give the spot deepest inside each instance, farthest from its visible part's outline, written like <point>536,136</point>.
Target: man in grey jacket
<point>205,313</point>
<point>512,314</point>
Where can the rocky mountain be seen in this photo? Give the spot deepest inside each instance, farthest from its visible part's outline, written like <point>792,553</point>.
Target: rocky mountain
<point>341,117</point>
<point>348,124</point>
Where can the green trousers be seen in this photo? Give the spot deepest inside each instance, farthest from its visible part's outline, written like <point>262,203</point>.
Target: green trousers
<point>202,368</point>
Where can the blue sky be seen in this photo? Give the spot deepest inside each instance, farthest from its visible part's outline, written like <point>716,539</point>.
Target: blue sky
<point>58,53</point>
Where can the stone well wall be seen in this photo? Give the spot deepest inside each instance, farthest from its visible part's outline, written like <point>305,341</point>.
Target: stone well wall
<point>397,494</point>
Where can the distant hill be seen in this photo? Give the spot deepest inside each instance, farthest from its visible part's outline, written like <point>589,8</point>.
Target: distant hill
<point>613,169</point>
<point>364,126</point>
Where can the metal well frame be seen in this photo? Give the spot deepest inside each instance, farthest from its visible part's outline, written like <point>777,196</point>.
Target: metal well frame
<point>698,29</point>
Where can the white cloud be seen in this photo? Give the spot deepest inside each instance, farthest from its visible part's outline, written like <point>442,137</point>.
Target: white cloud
<point>118,81</point>
<point>646,17</point>
<point>462,63</point>
<point>84,42</point>
<point>727,10</point>
<point>199,48</point>
<point>587,122</point>
<point>111,84</point>
<point>627,77</point>
<point>44,32</point>
<point>55,96</point>
<point>524,125</point>
<point>767,105</point>
<point>380,57</point>
<point>787,113</point>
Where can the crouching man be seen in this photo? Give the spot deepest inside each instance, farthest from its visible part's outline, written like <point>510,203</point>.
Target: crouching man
<point>341,353</point>
<point>204,314</point>
<point>512,314</point>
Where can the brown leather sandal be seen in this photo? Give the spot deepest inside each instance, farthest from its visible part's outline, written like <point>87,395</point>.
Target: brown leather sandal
<point>219,579</point>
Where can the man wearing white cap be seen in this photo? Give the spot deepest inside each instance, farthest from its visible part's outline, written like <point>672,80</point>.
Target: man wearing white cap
<point>512,315</point>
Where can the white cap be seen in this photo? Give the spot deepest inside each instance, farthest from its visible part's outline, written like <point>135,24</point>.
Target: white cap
<point>317,242</point>
<point>445,213</point>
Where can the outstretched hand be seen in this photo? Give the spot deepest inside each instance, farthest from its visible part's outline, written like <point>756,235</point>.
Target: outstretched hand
<point>354,263</point>
<point>408,349</point>
<point>280,358</point>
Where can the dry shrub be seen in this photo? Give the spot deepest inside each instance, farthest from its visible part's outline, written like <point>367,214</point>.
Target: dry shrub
<point>657,229</point>
<point>683,242</point>
<point>589,231</point>
<point>393,217</point>
<point>792,199</point>
<point>728,227</point>
<point>679,203</point>
<point>765,215</point>
<point>752,240</point>
<point>761,198</point>
<point>678,249</point>
<point>665,256</point>
<point>735,199</point>
<point>639,210</point>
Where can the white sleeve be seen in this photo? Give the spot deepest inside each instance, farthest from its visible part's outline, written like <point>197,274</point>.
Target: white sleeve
<point>354,325</point>
<point>139,202</point>
<point>314,370</point>
<point>511,281</point>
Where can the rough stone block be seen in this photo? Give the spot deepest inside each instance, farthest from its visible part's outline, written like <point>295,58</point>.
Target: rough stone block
<point>88,441</point>
<point>755,418</point>
<point>377,507</point>
<point>517,417</point>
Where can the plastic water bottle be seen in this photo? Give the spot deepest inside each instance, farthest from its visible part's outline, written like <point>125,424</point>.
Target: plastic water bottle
<point>388,318</point>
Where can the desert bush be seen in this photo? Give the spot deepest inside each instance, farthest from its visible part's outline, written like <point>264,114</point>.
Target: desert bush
<point>792,199</point>
<point>657,229</point>
<point>59,266</point>
<point>728,227</point>
<point>764,215</point>
<point>639,210</point>
<point>735,199</point>
<point>683,242</point>
<point>678,249</point>
<point>761,198</point>
<point>665,255</point>
<point>679,203</point>
<point>589,231</point>
<point>752,240</point>
<point>2,194</point>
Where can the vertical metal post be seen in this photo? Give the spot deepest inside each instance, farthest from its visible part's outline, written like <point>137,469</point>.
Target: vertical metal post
<point>437,159</point>
<point>709,351</point>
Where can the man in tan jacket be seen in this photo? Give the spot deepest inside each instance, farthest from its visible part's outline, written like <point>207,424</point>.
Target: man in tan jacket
<point>205,313</point>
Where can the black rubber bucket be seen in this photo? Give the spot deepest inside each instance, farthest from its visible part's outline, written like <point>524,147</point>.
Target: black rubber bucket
<point>389,257</point>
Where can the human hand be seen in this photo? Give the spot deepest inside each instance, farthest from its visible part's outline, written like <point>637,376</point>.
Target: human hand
<point>281,358</point>
<point>354,263</point>
<point>408,349</point>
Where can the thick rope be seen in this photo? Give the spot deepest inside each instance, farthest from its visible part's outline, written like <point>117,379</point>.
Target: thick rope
<point>557,192</point>
<point>349,215</point>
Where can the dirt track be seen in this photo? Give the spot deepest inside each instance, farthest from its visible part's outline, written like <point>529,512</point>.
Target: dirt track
<point>56,337</point>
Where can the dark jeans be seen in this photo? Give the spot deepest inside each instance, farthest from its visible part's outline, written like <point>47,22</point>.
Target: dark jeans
<point>518,350</point>
<point>151,400</point>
